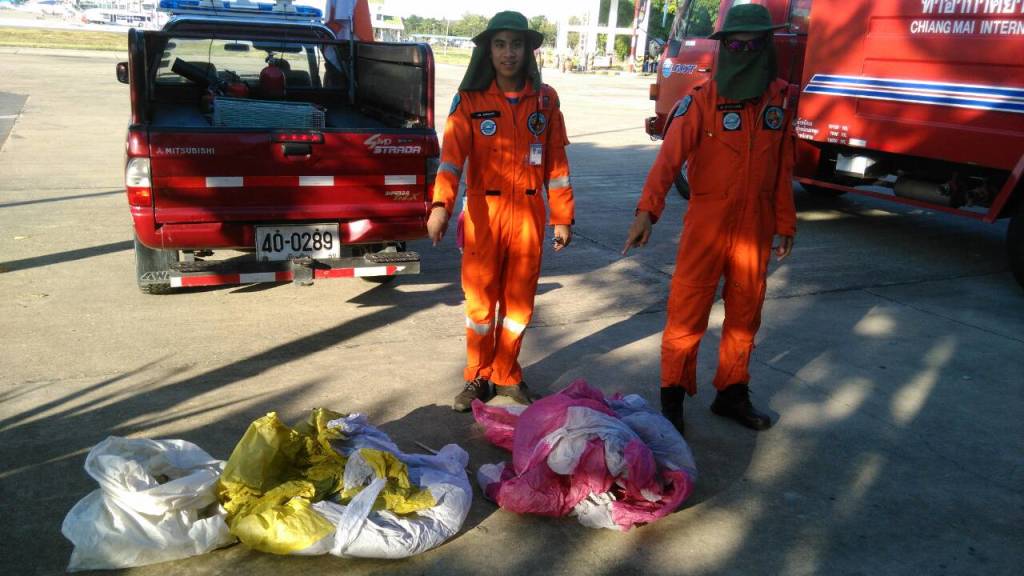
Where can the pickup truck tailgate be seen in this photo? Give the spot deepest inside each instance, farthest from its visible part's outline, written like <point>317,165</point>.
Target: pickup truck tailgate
<point>275,176</point>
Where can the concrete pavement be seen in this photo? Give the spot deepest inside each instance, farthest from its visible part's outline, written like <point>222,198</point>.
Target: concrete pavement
<point>892,355</point>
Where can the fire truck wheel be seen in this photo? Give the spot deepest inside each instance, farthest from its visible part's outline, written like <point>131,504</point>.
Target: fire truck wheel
<point>821,190</point>
<point>153,268</point>
<point>682,184</point>
<point>1015,245</point>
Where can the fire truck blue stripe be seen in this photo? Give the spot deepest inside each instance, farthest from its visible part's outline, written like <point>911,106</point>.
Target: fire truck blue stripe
<point>966,89</point>
<point>956,101</point>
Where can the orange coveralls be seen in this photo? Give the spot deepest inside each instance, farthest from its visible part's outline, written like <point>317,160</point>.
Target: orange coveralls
<point>740,172</point>
<point>515,151</point>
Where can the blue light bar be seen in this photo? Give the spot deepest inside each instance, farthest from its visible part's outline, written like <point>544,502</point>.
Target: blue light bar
<point>285,10</point>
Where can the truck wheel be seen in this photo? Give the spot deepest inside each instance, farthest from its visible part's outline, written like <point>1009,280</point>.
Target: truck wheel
<point>1015,246</point>
<point>682,184</point>
<point>821,190</point>
<point>153,268</point>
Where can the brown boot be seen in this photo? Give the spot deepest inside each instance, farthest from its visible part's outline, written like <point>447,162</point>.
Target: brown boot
<point>734,403</point>
<point>479,389</point>
<point>520,393</point>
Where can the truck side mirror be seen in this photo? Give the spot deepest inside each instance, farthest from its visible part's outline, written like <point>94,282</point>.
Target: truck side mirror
<point>122,72</point>
<point>673,48</point>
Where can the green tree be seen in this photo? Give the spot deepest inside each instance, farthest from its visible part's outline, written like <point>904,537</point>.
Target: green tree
<point>622,44</point>
<point>625,13</point>
<point>419,25</point>
<point>469,25</point>
<point>545,27</point>
<point>660,22</point>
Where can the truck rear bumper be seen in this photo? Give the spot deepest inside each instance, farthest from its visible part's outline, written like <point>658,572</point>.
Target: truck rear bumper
<point>301,271</point>
<point>242,235</point>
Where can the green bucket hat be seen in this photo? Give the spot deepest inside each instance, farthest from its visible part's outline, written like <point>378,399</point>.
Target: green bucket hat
<point>746,18</point>
<point>480,71</point>
<point>513,21</point>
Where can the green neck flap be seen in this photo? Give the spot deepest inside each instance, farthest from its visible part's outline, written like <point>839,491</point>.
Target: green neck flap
<point>480,72</point>
<point>745,75</point>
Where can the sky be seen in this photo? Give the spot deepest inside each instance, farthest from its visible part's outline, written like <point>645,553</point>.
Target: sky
<point>456,8</point>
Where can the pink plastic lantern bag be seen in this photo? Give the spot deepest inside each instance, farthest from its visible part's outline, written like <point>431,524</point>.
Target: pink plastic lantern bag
<point>611,462</point>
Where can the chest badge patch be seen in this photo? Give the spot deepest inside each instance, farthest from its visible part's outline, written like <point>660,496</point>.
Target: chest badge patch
<point>683,107</point>
<point>732,122</point>
<point>537,122</point>
<point>488,127</point>
<point>773,117</point>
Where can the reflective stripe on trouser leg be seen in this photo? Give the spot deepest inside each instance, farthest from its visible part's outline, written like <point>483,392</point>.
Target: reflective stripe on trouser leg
<point>481,285</point>
<point>522,270</point>
<point>479,350</point>
<point>688,310</point>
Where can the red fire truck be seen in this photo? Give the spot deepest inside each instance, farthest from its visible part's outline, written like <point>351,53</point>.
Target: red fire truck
<point>919,102</point>
<point>257,128</point>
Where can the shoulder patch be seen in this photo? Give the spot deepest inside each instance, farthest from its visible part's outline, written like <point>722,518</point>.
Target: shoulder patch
<point>455,103</point>
<point>683,107</point>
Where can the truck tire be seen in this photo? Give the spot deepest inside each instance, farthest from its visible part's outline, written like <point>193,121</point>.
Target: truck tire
<point>821,190</point>
<point>153,268</point>
<point>682,184</point>
<point>1015,246</point>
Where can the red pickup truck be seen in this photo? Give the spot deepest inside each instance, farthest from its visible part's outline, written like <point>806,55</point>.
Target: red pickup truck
<point>259,131</point>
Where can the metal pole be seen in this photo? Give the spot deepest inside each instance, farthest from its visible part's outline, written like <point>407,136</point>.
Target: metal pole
<point>632,41</point>
<point>446,36</point>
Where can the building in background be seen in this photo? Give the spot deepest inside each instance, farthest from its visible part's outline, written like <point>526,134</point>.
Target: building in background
<point>386,26</point>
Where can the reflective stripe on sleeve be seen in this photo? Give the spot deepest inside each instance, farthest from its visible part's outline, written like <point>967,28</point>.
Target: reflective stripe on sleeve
<point>560,182</point>
<point>480,329</point>
<point>449,167</point>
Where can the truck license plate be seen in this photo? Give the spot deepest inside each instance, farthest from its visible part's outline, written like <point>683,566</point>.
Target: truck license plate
<point>319,241</point>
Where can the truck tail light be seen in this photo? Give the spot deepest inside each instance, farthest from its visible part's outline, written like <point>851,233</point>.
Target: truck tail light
<point>300,137</point>
<point>137,182</point>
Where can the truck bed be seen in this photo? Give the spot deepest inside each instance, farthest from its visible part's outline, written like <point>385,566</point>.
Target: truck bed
<point>187,115</point>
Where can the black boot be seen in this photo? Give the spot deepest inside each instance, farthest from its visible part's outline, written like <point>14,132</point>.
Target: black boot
<point>734,402</point>
<point>672,406</point>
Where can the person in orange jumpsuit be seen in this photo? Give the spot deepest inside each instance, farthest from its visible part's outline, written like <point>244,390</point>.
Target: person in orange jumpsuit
<point>735,132</point>
<point>508,125</point>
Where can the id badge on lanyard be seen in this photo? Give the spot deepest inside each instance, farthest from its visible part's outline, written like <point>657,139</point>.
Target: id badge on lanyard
<point>536,154</point>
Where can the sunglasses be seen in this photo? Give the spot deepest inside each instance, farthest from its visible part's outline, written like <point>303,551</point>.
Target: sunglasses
<point>755,45</point>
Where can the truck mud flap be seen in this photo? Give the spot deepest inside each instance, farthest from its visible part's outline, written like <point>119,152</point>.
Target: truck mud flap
<point>300,271</point>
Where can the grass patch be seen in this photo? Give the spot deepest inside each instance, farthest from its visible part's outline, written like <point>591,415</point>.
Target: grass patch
<point>67,39</point>
<point>456,56</point>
